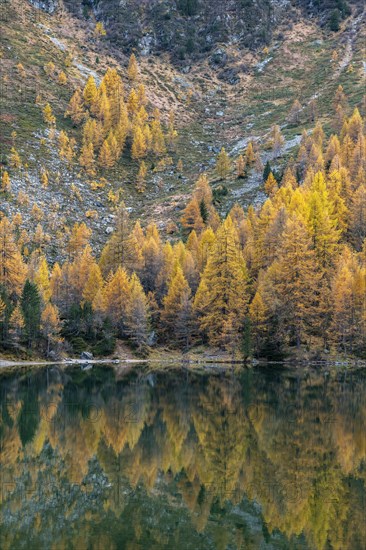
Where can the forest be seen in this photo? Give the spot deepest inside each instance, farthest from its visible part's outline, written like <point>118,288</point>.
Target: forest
<point>290,274</point>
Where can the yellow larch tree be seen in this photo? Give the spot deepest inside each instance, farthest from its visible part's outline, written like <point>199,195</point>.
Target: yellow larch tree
<point>158,140</point>
<point>206,243</point>
<point>340,210</point>
<point>48,115</point>
<point>277,140</point>
<point>44,179</point>
<point>119,250</point>
<point>240,167</point>
<point>77,274</point>
<point>193,244</point>
<point>94,283</point>
<point>270,185</point>
<point>192,218</point>
<point>133,70</point>
<point>116,294</point>
<point>333,149</point>
<point>17,220</point>
<point>90,92</point>
<point>93,132</point>
<point>104,112</point>
<point>355,125</point>
<point>37,213</point>
<point>12,268</point>
<point>113,146</point>
<point>56,284</point>
<point>223,287</point>
<point>70,150</point>
<point>123,126</point>
<point>105,158</point>
<point>323,225</point>
<point>148,137</point>
<point>264,240</point>
<point>172,132</point>
<point>17,322</point>
<point>141,177</point>
<point>87,159</point>
<point>14,160</point>
<point>296,277</point>
<point>99,29</point>
<point>137,240</point>
<point>339,118</point>
<point>349,303</point>
<point>318,135</point>
<point>50,68</point>
<point>5,182</point>
<point>295,112</point>
<point>137,313</point>
<point>138,150</point>
<point>141,117</point>
<point>79,239</point>
<point>50,324</point>
<point>42,279</point>
<point>223,164</point>
<point>177,309</point>
<point>250,156</point>
<point>63,142</point>
<point>115,91</point>
<point>358,160</point>
<point>98,306</point>
<point>340,98</point>
<point>141,95</point>
<point>347,151</point>
<point>203,193</point>
<point>132,102</point>
<point>357,225</point>
<point>62,78</point>
<point>75,109</point>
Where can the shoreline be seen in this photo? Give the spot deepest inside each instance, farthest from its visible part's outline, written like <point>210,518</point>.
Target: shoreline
<point>341,362</point>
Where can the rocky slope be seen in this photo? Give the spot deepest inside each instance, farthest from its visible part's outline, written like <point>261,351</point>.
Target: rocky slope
<point>189,29</point>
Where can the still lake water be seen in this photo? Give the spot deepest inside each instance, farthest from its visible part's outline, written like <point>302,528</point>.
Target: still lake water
<point>263,458</point>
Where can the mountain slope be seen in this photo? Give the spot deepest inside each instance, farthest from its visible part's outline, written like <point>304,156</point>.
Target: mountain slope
<point>223,97</point>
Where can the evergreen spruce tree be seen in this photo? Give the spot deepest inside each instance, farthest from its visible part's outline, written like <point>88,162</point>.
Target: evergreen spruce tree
<point>267,170</point>
<point>31,309</point>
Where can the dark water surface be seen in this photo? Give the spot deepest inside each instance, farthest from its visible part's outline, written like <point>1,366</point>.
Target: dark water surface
<point>264,458</point>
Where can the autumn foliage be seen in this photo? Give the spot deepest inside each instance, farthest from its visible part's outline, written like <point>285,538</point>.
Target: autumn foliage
<point>289,274</point>
<point>116,120</point>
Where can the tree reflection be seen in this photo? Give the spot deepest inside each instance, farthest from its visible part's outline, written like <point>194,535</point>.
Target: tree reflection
<point>184,459</point>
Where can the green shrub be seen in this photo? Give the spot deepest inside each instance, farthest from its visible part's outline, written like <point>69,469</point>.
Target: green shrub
<point>219,193</point>
<point>188,7</point>
<point>106,346</point>
<point>78,344</point>
<point>335,20</point>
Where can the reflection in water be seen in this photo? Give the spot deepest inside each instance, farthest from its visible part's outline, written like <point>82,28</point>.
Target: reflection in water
<point>267,458</point>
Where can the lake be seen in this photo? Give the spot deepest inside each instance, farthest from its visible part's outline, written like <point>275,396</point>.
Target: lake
<point>217,458</point>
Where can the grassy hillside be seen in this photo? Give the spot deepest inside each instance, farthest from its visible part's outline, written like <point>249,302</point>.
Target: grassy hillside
<point>301,62</point>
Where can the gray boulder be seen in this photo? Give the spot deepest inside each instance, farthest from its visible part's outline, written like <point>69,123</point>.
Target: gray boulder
<point>86,355</point>
<point>49,6</point>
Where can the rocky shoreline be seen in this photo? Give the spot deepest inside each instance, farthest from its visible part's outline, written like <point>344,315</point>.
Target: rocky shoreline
<point>209,362</point>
